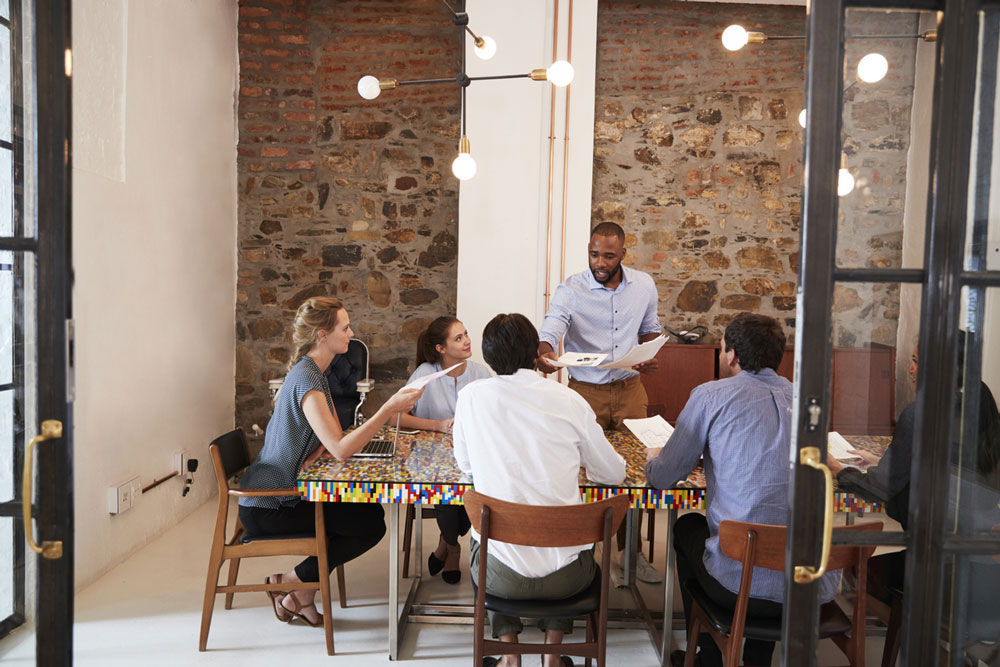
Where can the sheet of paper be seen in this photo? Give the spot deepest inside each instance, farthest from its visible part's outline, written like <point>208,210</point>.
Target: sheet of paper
<point>638,354</point>
<point>420,382</point>
<point>578,359</point>
<point>651,431</point>
<point>837,447</point>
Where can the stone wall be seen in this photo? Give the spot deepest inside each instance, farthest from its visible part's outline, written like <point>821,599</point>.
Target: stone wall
<point>338,195</point>
<point>698,154</point>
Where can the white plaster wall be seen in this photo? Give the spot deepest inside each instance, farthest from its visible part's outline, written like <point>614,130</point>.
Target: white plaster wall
<point>502,211</point>
<point>154,236</point>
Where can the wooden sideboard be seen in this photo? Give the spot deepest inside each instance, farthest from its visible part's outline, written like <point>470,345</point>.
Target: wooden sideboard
<point>863,388</point>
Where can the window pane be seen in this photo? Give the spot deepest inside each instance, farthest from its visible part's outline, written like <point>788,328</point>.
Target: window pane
<point>7,445</point>
<point>5,8</point>
<point>7,567</point>
<point>886,136</point>
<point>6,193</point>
<point>5,85</point>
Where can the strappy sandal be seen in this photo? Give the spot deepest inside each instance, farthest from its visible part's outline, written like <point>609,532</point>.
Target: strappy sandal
<point>275,598</point>
<point>297,613</point>
<point>451,573</point>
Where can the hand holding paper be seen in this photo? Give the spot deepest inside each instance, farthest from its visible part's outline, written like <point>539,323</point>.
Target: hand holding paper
<point>420,382</point>
<point>578,359</point>
<point>638,354</point>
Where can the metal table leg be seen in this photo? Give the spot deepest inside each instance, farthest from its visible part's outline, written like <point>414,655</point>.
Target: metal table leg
<point>399,617</point>
<point>666,638</point>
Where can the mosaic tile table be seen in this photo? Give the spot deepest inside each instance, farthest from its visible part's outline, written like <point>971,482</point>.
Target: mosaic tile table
<point>424,472</point>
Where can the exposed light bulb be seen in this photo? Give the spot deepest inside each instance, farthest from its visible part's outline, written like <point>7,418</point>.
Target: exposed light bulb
<point>802,118</point>
<point>488,48</point>
<point>368,87</point>
<point>464,167</point>
<point>873,68</point>
<point>845,182</point>
<point>734,37</point>
<point>560,73</point>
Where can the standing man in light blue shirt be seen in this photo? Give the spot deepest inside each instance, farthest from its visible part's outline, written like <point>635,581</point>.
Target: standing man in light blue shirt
<point>607,310</point>
<point>741,425</point>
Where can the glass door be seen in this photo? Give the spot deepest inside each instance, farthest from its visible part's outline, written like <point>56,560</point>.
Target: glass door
<point>36,482</point>
<point>886,269</point>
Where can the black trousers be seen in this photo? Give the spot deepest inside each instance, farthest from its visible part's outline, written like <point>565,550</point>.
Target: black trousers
<point>351,529</point>
<point>453,522</point>
<point>690,533</point>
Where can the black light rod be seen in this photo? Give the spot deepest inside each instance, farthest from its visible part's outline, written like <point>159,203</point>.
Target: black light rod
<point>413,83</point>
<point>500,76</point>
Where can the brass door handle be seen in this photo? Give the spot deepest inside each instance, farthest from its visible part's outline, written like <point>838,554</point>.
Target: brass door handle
<point>51,428</point>
<point>805,574</point>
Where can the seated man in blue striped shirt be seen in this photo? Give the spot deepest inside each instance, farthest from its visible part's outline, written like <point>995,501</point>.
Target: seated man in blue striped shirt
<point>741,425</point>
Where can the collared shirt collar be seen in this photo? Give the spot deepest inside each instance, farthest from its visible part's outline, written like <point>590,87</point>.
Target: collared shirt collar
<point>593,284</point>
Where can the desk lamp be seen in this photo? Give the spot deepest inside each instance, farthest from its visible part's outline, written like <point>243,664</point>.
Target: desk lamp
<point>364,386</point>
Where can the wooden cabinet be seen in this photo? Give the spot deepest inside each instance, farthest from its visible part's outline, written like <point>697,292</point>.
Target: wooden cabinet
<point>863,386</point>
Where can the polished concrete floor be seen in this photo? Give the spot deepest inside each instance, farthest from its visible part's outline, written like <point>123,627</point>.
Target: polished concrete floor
<point>148,610</point>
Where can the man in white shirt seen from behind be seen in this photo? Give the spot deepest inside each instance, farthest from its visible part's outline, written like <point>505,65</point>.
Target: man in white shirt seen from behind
<point>523,438</point>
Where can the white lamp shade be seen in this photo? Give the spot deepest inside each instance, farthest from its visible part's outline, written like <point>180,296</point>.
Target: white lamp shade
<point>488,49</point>
<point>734,37</point>
<point>560,73</point>
<point>802,118</point>
<point>845,183</point>
<point>368,87</point>
<point>464,167</point>
<point>873,68</point>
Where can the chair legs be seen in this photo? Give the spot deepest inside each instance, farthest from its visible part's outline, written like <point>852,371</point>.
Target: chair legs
<point>341,587</point>
<point>651,531</point>
<point>892,634</point>
<point>234,570</point>
<point>693,632</point>
<point>212,580</point>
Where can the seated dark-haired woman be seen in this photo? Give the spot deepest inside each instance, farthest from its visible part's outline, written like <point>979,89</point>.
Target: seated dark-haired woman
<point>303,426</point>
<point>445,343</point>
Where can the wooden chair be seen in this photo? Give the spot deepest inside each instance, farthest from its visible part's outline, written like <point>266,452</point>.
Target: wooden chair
<point>548,526</point>
<point>230,455</point>
<point>759,545</point>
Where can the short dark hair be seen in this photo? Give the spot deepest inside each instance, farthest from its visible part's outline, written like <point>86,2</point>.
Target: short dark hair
<point>510,342</point>
<point>757,340</point>
<point>609,229</point>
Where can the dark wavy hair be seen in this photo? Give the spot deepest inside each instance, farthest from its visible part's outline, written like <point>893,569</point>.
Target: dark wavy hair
<point>757,340</point>
<point>510,342</point>
<point>988,445</point>
<point>435,334</point>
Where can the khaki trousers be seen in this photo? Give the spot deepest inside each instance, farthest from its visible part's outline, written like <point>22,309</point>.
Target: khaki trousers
<point>614,401</point>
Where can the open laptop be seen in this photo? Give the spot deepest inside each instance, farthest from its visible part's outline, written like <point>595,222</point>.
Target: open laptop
<point>379,448</point>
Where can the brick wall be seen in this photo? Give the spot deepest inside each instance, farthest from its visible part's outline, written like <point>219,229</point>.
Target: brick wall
<point>338,195</point>
<point>698,154</point>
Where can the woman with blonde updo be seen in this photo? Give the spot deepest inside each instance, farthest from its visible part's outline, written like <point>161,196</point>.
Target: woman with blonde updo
<point>304,425</point>
<point>445,343</point>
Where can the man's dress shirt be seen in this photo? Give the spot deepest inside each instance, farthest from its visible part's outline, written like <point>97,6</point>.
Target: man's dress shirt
<point>594,318</point>
<point>523,438</point>
<point>742,427</point>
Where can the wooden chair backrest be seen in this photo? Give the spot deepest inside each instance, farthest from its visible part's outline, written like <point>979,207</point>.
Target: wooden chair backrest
<point>230,454</point>
<point>544,525</point>
<point>769,550</point>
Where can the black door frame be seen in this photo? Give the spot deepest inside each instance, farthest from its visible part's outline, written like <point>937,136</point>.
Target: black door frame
<point>942,280</point>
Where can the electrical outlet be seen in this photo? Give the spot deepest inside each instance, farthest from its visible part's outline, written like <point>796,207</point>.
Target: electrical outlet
<point>123,496</point>
<point>180,461</point>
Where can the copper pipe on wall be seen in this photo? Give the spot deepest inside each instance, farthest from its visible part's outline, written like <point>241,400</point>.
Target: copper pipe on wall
<point>552,122</point>
<point>565,183</point>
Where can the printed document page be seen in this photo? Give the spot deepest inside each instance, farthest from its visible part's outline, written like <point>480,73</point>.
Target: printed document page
<point>420,382</point>
<point>653,431</point>
<point>638,354</point>
<point>578,359</point>
<point>838,447</point>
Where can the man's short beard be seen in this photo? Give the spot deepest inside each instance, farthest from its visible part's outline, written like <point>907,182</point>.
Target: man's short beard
<point>612,274</point>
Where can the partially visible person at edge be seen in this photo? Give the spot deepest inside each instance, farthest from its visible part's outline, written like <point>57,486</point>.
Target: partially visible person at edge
<point>607,310</point>
<point>445,343</point>
<point>741,425</point>
<point>523,439</point>
<point>887,481</point>
<point>303,426</point>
